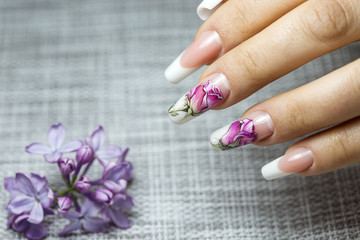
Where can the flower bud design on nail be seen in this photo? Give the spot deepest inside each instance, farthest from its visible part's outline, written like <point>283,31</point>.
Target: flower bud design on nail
<point>240,133</point>
<point>200,99</point>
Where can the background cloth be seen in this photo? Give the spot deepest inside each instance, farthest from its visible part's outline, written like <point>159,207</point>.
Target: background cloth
<point>85,63</point>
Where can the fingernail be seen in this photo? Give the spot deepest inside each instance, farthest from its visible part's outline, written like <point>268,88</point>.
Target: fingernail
<point>208,7</point>
<point>296,161</point>
<point>209,94</point>
<point>204,49</point>
<point>253,127</point>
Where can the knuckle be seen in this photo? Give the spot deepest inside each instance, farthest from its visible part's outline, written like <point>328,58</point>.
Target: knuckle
<point>329,20</point>
<point>297,114</point>
<point>247,60</point>
<point>340,141</point>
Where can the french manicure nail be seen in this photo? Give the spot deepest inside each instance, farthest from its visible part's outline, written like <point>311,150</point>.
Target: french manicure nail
<point>296,161</point>
<point>254,127</point>
<point>209,94</point>
<point>208,7</point>
<point>207,47</point>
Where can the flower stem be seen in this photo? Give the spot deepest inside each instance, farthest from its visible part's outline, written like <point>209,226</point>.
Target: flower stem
<point>87,167</point>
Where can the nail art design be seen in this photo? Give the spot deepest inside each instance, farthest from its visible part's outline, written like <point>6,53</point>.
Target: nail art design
<point>238,134</point>
<point>296,161</point>
<point>206,48</point>
<point>199,100</point>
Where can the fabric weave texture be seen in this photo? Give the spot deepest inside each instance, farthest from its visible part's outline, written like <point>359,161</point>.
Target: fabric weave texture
<point>85,63</point>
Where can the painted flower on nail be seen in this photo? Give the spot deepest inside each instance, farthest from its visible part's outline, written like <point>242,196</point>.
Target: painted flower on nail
<point>200,99</point>
<point>240,133</point>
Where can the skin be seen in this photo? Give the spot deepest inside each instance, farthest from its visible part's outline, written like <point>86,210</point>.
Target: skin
<point>294,32</point>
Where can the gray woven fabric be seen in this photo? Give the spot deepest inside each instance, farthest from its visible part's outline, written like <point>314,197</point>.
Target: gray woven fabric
<point>94,62</point>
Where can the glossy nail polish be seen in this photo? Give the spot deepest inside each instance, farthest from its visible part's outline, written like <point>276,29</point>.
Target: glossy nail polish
<point>295,161</point>
<point>209,94</point>
<point>206,48</point>
<point>254,127</point>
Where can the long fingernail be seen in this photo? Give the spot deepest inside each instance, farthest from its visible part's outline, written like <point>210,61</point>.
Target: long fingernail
<point>253,127</point>
<point>296,161</point>
<point>207,47</point>
<point>200,99</point>
<point>208,7</point>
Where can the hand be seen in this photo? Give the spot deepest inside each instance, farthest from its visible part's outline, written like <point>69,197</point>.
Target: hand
<point>251,43</point>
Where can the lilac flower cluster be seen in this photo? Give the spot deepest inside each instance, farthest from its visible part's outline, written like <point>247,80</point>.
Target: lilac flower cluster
<point>89,205</point>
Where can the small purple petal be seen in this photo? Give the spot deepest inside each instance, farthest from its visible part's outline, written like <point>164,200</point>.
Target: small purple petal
<point>11,187</point>
<point>38,181</point>
<point>24,184</point>
<point>89,142</point>
<point>95,224</point>
<point>97,138</point>
<point>20,204</point>
<point>71,146</point>
<point>10,220</point>
<point>118,218</point>
<point>103,195</point>
<point>35,231</point>
<point>116,187</point>
<point>89,208</point>
<point>38,148</point>
<point>64,204</point>
<point>109,152</point>
<point>37,214</point>
<point>70,228</point>
<point>21,224</point>
<point>53,157</point>
<point>45,197</point>
<point>72,216</point>
<point>123,155</point>
<point>123,201</point>
<point>56,135</point>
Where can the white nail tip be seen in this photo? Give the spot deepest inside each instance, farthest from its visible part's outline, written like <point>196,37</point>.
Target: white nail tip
<point>175,72</point>
<point>218,134</point>
<point>207,7</point>
<point>271,170</point>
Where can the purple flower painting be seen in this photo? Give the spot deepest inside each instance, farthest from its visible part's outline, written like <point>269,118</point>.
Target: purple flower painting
<point>199,100</point>
<point>239,133</point>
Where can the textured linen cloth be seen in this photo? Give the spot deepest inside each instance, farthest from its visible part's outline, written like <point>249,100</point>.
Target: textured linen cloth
<point>85,63</point>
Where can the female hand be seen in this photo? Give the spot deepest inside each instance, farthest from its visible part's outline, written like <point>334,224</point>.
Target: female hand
<point>251,43</point>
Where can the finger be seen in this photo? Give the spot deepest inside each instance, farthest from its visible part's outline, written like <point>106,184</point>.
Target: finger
<point>305,33</point>
<point>330,100</point>
<point>323,152</point>
<point>234,22</point>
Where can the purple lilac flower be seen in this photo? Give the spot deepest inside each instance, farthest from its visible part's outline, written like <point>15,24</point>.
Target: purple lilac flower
<point>67,165</point>
<point>56,137</point>
<point>84,184</point>
<point>240,133</point>
<point>106,153</point>
<point>84,155</point>
<point>29,194</point>
<point>64,204</point>
<point>86,219</point>
<point>20,223</point>
<point>116,175</point>
<point>113,211</point>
